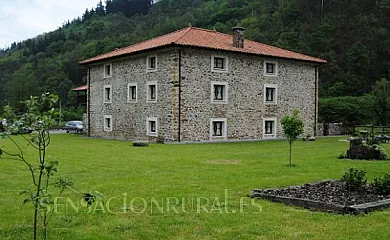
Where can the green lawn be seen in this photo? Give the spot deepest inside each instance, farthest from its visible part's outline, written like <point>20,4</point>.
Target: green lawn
<point>190,173</point>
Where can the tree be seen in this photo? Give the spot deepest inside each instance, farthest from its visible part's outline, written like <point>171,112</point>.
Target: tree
<point>40,115</point>
<point>353,36</point>
<point>100,9</point>
<point>381,104</point>
<point>292,128</point>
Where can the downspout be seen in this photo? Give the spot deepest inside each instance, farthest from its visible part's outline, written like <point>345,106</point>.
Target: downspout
<point>89,101</point>
<point>315,100</point>
<point>179,130</point>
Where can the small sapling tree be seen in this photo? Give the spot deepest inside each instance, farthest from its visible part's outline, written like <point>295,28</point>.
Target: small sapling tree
<point>40,115</point>
<point>292,128</point>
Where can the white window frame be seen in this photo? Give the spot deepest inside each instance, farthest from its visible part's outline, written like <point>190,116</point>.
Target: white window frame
<point>224,129</point>
<point>226,92</point>
<point>225,70</point>
<point>105,100</point>
<point>105,127</point>
<point>148,68</point>
<point>275,101</point>
<point>275,74</point>
<point>129,100</point>
<point>275,130</point>
<point>148,99</point>
<point>104,70</point>
<point>148,120</point>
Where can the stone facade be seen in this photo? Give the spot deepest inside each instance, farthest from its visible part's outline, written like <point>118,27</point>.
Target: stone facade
<point>243,111</point>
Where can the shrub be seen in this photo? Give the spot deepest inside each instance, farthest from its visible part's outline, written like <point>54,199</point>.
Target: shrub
<point>71,114</point>
<point>342,156</point>
<point>355,179</point>
<point>382,151</point>
<point>382,185</point>
<point>345,109</point>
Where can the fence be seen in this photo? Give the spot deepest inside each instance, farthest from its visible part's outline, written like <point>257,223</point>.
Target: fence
<point>332,129</point>
<point>372,130</point>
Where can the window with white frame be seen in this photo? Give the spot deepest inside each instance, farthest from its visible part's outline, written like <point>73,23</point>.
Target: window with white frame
<point>218,128</point>
<point>269,127</point>
<point>107,70</point>
<point>151,91</point>
<point>219,64</point>
<point>151,126</point>
<point>151,63</point>
<point>270,68</point>
<point>132,92</point>
<point>270,94</point>
<point>107,94</point>
<point>107,123</point>
<point>219,92</point>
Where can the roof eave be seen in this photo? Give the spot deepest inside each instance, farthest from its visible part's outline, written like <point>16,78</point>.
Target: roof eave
<point>174,44</point>
<point>91,62</point>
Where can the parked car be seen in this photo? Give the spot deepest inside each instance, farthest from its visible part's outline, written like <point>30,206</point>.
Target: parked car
<point>75,126</point>
<point>27,130</point>
<point>18,127</point>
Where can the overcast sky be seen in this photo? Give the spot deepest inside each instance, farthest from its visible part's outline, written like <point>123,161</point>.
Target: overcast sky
<point>24,19</point>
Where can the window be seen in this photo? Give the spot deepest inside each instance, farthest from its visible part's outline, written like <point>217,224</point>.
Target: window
<point>219,92</point>
<point>151,126</point>
<point>218,128</point>
<point>219,64</point>
<point>107,70</point>
<point>107,123</point>
<point>151,63</point>
<point>107,94</point>
<point>269,127</point>
<point>270,68</point>
<point>132,92</point>
<point>151,91</point>
<point>270,94</point>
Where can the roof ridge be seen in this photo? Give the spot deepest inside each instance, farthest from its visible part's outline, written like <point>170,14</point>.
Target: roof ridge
<point>210,30</point>
<point>150,39</point>
<point>207,38</point>
<point>187,29</point>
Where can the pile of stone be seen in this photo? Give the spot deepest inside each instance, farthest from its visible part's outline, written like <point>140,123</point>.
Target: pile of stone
<point>359,150</point>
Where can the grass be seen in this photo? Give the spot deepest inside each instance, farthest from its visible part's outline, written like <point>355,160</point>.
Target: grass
<point>177,176</point>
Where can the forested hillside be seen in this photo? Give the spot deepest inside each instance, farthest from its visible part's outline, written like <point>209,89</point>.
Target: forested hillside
<point>353,35</point>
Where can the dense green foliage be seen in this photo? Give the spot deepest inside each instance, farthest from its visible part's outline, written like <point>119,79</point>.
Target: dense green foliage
<point>355,179</point>
<point>381,185</point>
<point>371,108</point>
<point>346,109</point>
<point>352,35</point>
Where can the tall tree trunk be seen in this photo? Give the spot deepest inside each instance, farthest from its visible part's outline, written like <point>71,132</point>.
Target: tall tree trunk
<point>290,153</point>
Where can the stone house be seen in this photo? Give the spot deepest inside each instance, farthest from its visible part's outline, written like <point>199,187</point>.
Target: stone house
<point>199,85</point>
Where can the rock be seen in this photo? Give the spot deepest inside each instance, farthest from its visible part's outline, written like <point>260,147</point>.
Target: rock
<point>311,139</point>
<point>356,142</point>
<point>140,143</point>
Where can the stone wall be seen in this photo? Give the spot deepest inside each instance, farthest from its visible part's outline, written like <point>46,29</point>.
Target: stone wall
<point>85,121</point>
<point>332,129</point>
<point>244,110</point>
<point>129,119</point>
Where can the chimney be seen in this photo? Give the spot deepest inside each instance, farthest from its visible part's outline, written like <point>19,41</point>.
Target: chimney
<point>238,37</point>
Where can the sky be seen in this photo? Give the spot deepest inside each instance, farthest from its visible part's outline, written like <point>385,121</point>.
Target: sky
<point>24,19</point>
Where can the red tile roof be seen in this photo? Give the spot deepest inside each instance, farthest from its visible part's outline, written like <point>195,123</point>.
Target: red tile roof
<point>81,88</point>
<point>210,39</point>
